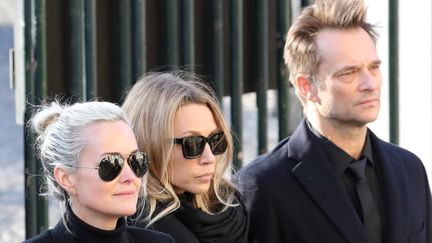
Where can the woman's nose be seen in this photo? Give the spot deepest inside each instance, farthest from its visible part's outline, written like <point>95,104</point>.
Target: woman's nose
<point>207,157</point>
<point>126,174</point>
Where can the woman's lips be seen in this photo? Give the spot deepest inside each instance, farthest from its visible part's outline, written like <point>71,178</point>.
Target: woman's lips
<point>125,194</point>
<point>205,177</point>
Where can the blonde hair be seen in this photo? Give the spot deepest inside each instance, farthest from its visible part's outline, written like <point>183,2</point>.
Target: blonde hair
<point>60,139</point>
<point>300,51</point>
<point>151,105</point>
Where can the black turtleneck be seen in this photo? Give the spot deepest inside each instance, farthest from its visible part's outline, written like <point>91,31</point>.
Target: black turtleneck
<point>79,231</point>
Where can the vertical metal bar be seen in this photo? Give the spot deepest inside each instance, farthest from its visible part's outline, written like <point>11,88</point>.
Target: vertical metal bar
<point>123,48</point>
<point>30,184</point>
<point>139,44</point>
<point>29,161</point>
<point>89,63</point>
<point>77,78</point>
<point>218,47</point>
<point>39,48</point>
<point>172,32</point>
<point>35,84</point>
<point>40,80</point>
<point>283,22</point>
<point>263,73</point>
<point>305,3</point>
<point>237,63</point>
<point>188,36</point>
<point>394,70</point>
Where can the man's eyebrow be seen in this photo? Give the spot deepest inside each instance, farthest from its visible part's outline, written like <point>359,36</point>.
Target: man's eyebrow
<point>377,62</point>
<point>353,67</point>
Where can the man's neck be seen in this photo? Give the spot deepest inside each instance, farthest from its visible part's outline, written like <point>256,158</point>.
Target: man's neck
<point>348,137</point>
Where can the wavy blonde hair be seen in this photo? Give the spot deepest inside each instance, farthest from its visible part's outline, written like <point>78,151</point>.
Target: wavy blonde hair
<point>151,105</point>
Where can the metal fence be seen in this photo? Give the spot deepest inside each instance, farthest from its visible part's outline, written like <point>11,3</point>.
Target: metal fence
<point>85,49</point>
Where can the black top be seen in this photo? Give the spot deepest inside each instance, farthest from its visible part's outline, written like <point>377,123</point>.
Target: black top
<point>191,225</point>
<point>340,161</point>
<point>83,232</point>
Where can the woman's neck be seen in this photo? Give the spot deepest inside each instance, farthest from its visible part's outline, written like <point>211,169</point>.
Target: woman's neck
<point>95,219</point>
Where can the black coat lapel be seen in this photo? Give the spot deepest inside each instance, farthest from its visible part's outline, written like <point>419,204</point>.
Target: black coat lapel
<point>393,189</point>
<point>316,176</point>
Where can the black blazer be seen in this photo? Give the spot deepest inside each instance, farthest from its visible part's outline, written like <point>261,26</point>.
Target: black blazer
<point>293,195</point>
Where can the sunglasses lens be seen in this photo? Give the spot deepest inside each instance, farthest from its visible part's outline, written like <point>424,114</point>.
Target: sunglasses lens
<point>193,146</point>
<point>218,143</point>
<point>139,163</point>
<point>110,167</point>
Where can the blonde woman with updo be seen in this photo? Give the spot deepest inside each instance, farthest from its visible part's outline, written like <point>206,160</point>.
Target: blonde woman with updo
<point>93,167</point>
<point>178,121</point>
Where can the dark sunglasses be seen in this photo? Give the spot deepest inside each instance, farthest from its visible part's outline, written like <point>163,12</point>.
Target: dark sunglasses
<point>193,146</point>
<point>110,166</point>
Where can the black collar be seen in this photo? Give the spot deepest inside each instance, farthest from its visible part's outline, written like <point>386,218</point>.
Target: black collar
<point>338,158</point>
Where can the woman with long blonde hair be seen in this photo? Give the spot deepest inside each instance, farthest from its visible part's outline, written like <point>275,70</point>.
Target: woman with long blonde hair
<point>178,121</point>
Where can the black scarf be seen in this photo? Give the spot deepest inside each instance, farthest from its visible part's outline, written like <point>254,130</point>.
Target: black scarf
<point>229,226</point>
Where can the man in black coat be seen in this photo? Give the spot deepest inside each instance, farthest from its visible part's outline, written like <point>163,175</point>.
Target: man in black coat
<point>311,187</point>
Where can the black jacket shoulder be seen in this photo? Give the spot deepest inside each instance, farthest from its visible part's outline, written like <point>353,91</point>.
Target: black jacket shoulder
<point>146,235</point>
<point>171,225</point>
<point>44,237</point>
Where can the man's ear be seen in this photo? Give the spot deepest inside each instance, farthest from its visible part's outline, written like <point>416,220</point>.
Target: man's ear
<point>65,179</point>
<point>306,88</point>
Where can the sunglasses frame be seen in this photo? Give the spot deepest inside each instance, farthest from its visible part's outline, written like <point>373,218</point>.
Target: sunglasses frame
<point>182,142</point>
<point>111,158</point>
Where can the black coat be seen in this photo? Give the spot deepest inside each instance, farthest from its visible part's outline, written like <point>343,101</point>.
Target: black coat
<point>87,233</point>
<point>293,195</point>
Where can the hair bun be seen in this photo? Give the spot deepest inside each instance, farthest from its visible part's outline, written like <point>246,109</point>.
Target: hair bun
<point>46,116</point>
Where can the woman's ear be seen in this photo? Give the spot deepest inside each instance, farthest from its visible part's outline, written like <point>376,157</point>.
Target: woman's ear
<point>65,179</point>
<point>306,88</point>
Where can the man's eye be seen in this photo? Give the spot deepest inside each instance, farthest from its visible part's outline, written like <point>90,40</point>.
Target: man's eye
<point>347,73</point>
<point>375,67</point>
